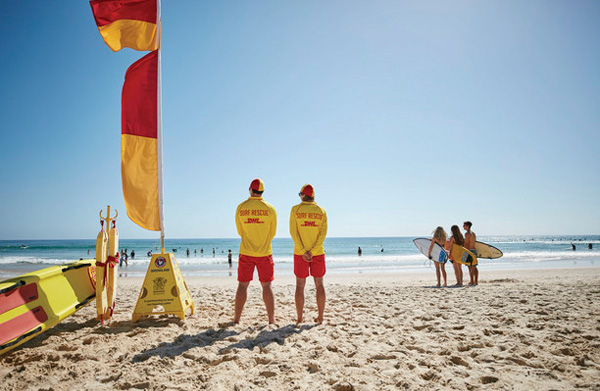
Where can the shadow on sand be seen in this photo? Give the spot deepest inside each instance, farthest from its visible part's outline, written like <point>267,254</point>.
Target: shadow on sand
<point>185,342</point>
<point>267,337</point>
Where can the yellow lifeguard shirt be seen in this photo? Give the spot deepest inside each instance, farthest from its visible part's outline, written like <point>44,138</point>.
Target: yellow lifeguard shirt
<point>256,222</point>
<point>308,227</point>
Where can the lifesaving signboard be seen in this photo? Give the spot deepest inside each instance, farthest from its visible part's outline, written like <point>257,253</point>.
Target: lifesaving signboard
<point>164,291</point>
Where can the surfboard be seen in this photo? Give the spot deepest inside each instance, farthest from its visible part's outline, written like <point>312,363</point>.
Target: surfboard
<point>487,251</point>
<point>463,256</point>
<point>37,301</point>
<point>438,254</point>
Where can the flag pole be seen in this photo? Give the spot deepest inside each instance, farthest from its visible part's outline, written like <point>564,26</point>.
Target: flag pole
<point>159,130</point>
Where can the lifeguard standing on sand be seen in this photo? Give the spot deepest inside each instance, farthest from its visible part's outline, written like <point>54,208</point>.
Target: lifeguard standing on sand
<point>308,228</point>
<point>256,222</point>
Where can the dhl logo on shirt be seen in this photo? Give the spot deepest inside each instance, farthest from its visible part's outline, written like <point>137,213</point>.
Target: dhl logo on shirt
<point>309,224</point>
<point>254,221</point>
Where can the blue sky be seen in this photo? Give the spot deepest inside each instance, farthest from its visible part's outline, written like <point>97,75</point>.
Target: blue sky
<point>403,115</point>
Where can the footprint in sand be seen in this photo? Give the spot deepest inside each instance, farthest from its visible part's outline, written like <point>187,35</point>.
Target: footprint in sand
<point>488,379</point>
<point>66,348</point>
<point>459,361</point>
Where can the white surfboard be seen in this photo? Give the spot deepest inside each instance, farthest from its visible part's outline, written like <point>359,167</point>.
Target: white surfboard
<point>484,250</point>
<point>438,254</point>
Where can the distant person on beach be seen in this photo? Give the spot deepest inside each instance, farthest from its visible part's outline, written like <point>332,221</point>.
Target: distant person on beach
<point>359,251</point>
<point>132,254</point>
<point>230,258</point>
<point>573,247</point>
<point>589,247</point>
<point>457,238</point>
<point>470,239</point>
<point>256,223</point>
<point>308,228</point>
<point>123,259</point>
<point>439,237</point>
<point>187,252</point>
<point>149,253</point>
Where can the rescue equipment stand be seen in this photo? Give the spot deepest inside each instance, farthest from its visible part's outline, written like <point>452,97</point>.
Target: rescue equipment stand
<point>164,291</point>
<point>107,257</point>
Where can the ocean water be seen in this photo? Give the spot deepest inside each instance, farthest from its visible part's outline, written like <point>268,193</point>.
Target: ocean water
<point>379,254</point>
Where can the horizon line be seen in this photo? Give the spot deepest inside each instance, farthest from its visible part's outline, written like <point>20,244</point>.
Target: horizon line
<point>329,237</point>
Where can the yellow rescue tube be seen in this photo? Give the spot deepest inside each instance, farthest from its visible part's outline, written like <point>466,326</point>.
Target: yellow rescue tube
<point>111,276</point>
<point>101,252</point>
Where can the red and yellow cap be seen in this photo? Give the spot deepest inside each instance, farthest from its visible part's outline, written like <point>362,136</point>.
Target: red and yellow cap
<point>257,185</point>
<point>307,190</point>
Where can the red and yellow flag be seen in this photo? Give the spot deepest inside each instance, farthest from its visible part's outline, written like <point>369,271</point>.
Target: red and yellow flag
<point>127,23</point>
<point>139,142</point>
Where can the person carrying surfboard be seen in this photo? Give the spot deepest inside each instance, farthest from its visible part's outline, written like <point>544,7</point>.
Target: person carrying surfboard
<point>470,239</point>
<point>439,237</point>
<point>308,228</point>
<point>256,223</point>
<point>457,238</point>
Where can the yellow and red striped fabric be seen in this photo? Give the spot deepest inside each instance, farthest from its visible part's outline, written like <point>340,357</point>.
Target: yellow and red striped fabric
<point>139,142</point>
<point>127,23</point>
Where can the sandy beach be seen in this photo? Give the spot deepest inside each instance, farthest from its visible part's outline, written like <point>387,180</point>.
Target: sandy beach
<point>517,330</point>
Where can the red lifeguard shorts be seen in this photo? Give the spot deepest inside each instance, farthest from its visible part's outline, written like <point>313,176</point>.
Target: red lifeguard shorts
<point>264,266</point>
<point>303,269</point>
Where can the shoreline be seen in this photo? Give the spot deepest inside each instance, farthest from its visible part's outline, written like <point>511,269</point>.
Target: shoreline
<point>283,271</point>
<point>415,277</point>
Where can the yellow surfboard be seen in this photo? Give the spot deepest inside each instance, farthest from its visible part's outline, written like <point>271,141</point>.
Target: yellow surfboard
<point>462,255</point>
<point>37,301</point>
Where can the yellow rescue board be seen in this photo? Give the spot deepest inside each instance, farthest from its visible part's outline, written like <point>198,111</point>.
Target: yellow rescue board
<point>462,255</point>
<point>37,301</point>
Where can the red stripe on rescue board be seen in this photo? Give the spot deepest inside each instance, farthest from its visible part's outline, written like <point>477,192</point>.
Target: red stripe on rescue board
<point>17,297</point>
<point>21,324</point>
